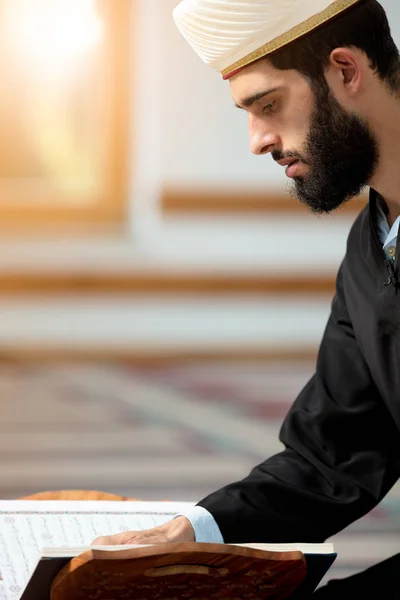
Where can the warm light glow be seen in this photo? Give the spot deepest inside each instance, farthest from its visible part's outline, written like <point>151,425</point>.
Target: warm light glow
<point>51,35</point>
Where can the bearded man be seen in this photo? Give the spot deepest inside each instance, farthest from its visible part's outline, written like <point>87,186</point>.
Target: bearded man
<point>320,83</point>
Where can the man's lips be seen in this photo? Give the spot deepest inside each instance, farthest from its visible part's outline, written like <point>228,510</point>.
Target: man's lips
<point>285,162</point>
<point>291,169</point>
<point>290,164</point>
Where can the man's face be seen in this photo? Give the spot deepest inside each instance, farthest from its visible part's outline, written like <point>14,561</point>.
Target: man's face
<point>329,153</point>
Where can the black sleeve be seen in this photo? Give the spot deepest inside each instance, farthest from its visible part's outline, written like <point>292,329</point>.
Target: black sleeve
<point>341,453</point>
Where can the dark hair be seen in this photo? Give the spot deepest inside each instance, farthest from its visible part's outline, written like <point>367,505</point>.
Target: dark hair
<point>364,26</point>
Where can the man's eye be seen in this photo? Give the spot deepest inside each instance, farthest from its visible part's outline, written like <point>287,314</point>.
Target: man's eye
<point>269,107</point>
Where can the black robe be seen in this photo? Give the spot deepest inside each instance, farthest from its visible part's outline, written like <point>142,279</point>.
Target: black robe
<point>342,434</point>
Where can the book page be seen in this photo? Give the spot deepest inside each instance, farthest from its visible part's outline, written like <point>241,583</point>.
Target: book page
<point>324,548</point>
<point>28,526</point>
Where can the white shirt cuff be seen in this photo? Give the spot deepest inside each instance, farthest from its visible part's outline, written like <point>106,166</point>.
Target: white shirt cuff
<point>204,525</point>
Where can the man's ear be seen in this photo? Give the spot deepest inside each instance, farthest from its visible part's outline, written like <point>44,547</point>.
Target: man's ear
<point>346,66</point>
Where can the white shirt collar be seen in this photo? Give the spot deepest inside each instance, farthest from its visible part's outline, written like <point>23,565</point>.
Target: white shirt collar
<point>387,235</point>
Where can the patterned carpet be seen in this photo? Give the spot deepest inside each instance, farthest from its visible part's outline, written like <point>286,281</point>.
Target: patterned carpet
<point>154,433</point>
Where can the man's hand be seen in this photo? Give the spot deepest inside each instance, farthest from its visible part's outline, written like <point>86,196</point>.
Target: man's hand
<point>177,530</point>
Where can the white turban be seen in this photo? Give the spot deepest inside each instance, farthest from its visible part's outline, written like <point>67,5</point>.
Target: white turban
<point>230,34</point>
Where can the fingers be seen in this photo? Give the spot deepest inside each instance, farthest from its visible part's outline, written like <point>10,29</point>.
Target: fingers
<point>127,537</point>
<point>177,530</point>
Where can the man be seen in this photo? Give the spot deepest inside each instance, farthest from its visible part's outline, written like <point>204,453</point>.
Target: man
<point>320,82</point>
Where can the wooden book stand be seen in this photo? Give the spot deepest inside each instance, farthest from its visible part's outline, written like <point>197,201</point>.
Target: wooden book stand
<point>180,571</point>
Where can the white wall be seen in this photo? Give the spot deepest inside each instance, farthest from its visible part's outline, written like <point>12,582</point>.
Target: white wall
<point>203,136</point>
<point>185,130</point>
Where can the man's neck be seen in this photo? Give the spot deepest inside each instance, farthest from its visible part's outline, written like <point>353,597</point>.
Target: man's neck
<point>385,123</point>
<point>392,216</point>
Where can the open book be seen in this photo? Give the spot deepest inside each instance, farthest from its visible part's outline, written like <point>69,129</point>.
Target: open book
<point>38,539</point>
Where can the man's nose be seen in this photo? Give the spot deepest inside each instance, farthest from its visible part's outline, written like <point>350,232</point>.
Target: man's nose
<point>262,138</point>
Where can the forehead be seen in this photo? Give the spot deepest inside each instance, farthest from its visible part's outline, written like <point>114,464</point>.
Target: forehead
<point>260,76</point>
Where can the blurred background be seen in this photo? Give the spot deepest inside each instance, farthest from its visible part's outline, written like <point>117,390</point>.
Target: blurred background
<point>162,297</point>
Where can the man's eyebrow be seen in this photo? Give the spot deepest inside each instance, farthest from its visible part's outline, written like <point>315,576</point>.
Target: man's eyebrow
<point>251,99</point>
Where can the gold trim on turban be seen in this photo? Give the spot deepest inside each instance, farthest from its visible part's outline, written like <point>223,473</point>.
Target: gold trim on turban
<point>290,36</point>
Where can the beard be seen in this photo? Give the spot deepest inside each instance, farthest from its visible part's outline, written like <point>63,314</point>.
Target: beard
<point>341,153</point>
